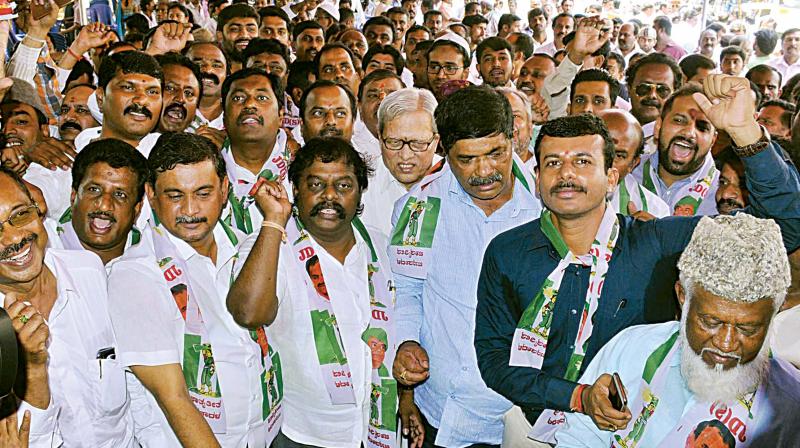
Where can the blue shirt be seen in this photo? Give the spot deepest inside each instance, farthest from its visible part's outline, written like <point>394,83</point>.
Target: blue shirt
<point>638,288</point>
<point>439,313</point>
<point>775,422</point>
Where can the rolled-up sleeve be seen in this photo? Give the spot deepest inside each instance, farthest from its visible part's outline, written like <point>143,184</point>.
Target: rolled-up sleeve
<point>23,63</point>
<point>495,324</point>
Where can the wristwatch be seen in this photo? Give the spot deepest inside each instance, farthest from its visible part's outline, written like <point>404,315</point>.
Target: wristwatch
<point>754,148</point>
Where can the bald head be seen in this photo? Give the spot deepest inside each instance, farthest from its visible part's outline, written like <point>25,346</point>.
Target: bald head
<point>626,132</point>
<point>355,41</point>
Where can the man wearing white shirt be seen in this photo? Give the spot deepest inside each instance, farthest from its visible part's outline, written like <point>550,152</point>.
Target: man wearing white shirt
<point>328,109</point>
<point>563,24</point>
<point>167,305</point>
<point>788,64</point>
<point>257,147</point>
<point>213,71</point>
<point>523,125</point>
<point>373,89</point>
<point>182,92</point>
<point>628,139</point>
<point>327,296</point>
<point>408,141</point>
<point>67,290</point>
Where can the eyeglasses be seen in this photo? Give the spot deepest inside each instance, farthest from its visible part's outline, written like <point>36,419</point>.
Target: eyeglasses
<point>397,144</point>
<point>645,88</point>
<point>450,69</point>
<point>22,218</point>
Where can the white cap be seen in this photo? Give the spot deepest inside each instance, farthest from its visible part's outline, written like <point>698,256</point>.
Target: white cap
<point>330,8</point>
<point>456,39</point>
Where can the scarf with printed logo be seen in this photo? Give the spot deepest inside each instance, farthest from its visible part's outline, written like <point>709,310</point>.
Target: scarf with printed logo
<point>379,335</point>
<point>70,239</point>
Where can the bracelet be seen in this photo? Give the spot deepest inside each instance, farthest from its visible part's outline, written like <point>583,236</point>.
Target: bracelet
<point>579,401</point>
<point>277,227</point>
<point>35,39</point>
<point>754,148</point>
<point>74,55</point>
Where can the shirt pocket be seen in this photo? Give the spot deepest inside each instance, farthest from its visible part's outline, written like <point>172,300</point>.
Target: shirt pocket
<point>112,390</point>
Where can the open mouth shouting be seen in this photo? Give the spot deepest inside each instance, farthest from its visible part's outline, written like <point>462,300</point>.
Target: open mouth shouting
<point>19,255</point>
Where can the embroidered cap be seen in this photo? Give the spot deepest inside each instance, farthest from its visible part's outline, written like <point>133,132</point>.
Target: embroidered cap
<point>740,258</point>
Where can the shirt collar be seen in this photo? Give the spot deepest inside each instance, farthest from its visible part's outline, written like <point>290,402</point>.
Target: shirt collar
<point>520,200</point>
<point>64,282</point>
<point>225,248</point>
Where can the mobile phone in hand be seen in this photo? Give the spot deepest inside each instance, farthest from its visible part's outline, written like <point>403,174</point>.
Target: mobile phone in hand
<point>616,393</point>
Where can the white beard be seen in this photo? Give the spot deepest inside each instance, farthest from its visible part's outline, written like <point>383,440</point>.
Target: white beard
<point>712,384</point>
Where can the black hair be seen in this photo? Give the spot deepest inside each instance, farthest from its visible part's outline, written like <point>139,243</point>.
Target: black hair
<point>418,28</point>
<point>507,19</point>
<point>274,83</point>
<point>128,62</point>
<point>431,12</point>
<point>396,10</point>
<point>423,46</point>
<point>306,25</point>
<point>377,75</point>
<point>114,153</point>
<point>524,45</point>
<point>82,67</point>
<point>399,63</point>
<point>788,88</point>
<point>472,6</point>
<point>298,75</point>
<point>766,40</point>
<point>346,14</point>
<point>215,45</point>
<point>259,46</point>
<point>326,83</point>
<point>560,16</point>
<point>327,150</point>
<point>449,43</point>
<point>174,58</point>
<point>596,74</point>
<point>764,68</point>
<point>617,57</point>
<point>715,27</point>
<point>182,148</point>
<point>473,112</point>
<point>789,110</point>
<point>379,21</point>
<point>655,58</point>
<point>473,20</point>
<point>727,437</point>
<point>182,8</point>
<point>692,63</point>
<point>493,43</point>
<point>236,11</point>
<point>732,50</point>
<point>274,11</point>
<point>577,126</point>
<point>537,12</point>
<point>788,32</point>
<point>664,23</point>
<point>328,47</point>
<point>137,23</point>
<point>686,90</point>
<point>134,37</point>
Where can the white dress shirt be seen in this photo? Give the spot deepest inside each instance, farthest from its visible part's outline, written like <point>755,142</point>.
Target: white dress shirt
<point>787,70</point>
<point>309,417</point>
<point>365,142</point>
<point>89,405</point>
<point>150,330</point>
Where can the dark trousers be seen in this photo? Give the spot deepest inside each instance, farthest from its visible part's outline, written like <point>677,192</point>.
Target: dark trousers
<point>281,441</point>
<point>430,437</point>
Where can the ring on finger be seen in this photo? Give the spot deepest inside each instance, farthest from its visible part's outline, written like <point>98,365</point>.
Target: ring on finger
<point>24,319</point>
<point>403,375</point>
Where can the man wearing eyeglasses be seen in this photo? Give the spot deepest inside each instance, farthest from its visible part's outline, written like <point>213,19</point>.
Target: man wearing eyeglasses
<point>447,60</point>
<point>408,140</point>
<point>53,297</point>
<point>651,80</point>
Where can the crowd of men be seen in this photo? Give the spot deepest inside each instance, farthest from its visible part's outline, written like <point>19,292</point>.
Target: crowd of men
<point>400,223</point>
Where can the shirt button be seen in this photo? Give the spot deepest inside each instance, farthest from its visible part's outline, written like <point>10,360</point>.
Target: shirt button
<point>465,369</point>
<point>577,272</point>
<point>452,396</point>
<point>574,312</point>
<point>572,347</point>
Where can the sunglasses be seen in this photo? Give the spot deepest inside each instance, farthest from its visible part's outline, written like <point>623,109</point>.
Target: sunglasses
<point>644,89</point>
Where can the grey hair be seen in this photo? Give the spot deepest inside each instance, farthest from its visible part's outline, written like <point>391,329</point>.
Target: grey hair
<point>526,102</point>
<point>739,258</point>
<point>403,101</point>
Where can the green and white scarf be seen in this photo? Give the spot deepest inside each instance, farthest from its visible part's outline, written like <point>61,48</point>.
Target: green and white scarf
<point>529,344</point>
<point>410,246</point>
<point>69,239</point>
<point>242,205</point>
<point>692,194</point>
<point>331,353</point>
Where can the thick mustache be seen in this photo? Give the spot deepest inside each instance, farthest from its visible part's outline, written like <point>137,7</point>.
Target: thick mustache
<point>71,124</point>
<point>331,205</point>
<point>477,181</point>
<point>136,109</point>
<point>177,106</point>
<point>331,131</point>
<point>210,76</point>
<point>567,185</point>
<point>9,251</point>
<point>101,214</point>
<point>249,114</point>
<point>651,103</point>
<point>684,139</point>
<point>730,203</point>
<point>190,219</point>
